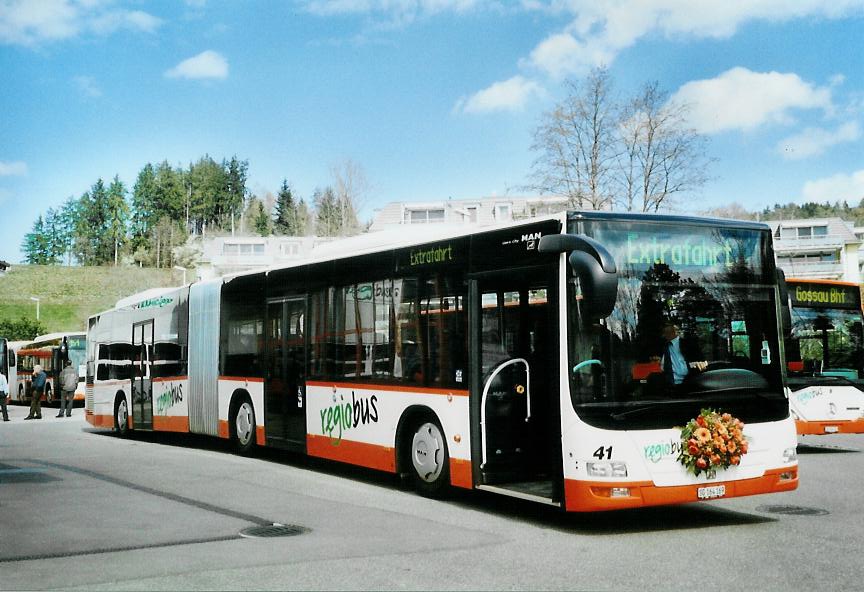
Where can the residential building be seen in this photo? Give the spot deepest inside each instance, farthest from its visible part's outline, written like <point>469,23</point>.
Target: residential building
<point>222,255</point>
<point>823,248</point>
<point>482,211</point>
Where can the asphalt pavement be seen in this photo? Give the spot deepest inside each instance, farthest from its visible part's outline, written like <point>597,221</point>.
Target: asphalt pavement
<point>83,509</point>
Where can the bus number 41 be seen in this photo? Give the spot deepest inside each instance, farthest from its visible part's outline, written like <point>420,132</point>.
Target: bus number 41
<point>603,453</point>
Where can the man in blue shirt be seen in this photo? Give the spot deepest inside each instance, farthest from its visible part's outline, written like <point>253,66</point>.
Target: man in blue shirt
<point>679,356</point>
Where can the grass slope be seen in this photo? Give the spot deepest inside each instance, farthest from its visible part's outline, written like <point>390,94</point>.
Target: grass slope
<point>69,295</point>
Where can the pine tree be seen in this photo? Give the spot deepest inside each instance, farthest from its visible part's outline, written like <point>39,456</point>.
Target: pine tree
<point>117,214</point>
<point>260,218</point>
<point>287,219</point>
<point>328,220</point>
<point>35,245</point>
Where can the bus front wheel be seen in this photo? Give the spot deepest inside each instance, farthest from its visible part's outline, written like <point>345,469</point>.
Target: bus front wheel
<point>243,426</point>
<point>121,415</point>
<point>428,460</point>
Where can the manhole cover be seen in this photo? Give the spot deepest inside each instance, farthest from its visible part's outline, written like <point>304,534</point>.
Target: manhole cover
<point>272,530</point>
<point>792,510</point>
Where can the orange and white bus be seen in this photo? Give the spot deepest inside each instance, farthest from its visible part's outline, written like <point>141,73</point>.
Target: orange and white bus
<point>50,351</point>
<point>515,359</point>
<point>825,357</point>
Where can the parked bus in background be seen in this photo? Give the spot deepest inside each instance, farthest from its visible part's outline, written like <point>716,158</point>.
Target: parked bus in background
<point>8,364</point>
<point>516,360</point>
<point>50,351</point>
<point>825,356</point>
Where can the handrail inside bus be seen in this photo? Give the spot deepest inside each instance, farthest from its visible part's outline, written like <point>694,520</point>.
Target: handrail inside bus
<point>486,393</point>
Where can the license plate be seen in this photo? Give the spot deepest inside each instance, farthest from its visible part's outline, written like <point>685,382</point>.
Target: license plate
<point>831,429</point>
<point>711,492</point>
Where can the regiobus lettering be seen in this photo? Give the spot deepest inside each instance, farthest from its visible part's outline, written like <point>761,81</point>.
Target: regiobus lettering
<point>520,359</point>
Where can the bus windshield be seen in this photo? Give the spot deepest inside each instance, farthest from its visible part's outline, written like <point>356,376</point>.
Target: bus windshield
<point>826,341</point>
<point>707,292</point>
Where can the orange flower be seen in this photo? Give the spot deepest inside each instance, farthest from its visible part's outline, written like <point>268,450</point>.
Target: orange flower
<point>715,460</point>
<point>702,435</point>
<point>726,417</point>
<point>701,463</point>
<point>701,421</point>
<point>731,447</point>
<point>735,460</point>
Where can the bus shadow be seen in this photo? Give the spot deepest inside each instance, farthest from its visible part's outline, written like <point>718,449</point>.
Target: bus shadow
<point>654,519</point>
<point>824,449</point>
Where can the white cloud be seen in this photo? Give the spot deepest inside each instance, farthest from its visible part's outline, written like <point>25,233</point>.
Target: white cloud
<point>814,141</point>
<point>207,64</point>
<point>395,8</point>
<point>839,187</point>
<point>601,30</point>
<point>507,95</point>
<point>15,168</point>
<point>87,86</point>
<point>740,99</point>
<point>30,23</point>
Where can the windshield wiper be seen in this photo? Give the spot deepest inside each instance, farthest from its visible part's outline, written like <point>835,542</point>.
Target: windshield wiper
<point>651,407</point>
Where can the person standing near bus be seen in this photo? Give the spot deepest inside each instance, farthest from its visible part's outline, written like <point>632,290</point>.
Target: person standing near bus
<point>39,380</point>
<point>4,395</point>
<point>68,384</point>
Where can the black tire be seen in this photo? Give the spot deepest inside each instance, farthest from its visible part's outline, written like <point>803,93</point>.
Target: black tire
<point>242,423</point>
<point>426,457</point>
<point>121,415</point>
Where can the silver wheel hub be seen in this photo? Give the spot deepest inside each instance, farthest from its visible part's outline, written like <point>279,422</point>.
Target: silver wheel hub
<point>427,452</point>
<point>244,423</point>
<point>122,414</point>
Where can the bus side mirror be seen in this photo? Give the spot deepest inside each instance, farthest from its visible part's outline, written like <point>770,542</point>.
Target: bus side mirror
<point>594,266</point>
<point>785,305</point>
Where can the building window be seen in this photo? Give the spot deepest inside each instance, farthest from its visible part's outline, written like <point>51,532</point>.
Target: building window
<point>290,249</point>
<point>502,211</point>
<point>472,214</point>
<point>425,216</point>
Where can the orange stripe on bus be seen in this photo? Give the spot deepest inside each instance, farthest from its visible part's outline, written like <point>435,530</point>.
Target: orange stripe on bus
<point>821,281</point>
<point>169,378</point>
<point>815,428</point>
<point>460,473</point>
<point>242,378</point>
<point>372,456</point>
<point>407,389</point>
<point>99,421</point>
<point>170,423</point>
<point>222,429</point>
<point>591,496</point>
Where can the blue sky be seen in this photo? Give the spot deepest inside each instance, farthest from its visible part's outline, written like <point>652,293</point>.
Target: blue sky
<point>431,98</point>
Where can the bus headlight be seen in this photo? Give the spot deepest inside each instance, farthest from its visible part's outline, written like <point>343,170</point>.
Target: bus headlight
<point>607,469</point>
<point>790,455</point>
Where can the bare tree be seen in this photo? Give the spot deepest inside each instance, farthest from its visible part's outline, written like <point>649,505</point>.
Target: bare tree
<point>576,144</point>
<point>598,154</point>
<point>660,155</point>
<point>351,188</point>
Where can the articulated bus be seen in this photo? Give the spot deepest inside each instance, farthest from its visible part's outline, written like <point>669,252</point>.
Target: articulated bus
<point>7,362</point>
<point>825,356</point>
<point>515,359</point>
<point>50,351</point>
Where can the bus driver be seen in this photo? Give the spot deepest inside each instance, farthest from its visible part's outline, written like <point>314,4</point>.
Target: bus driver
<point>678,355</point>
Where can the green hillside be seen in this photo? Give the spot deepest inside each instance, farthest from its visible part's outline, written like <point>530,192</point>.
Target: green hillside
<point>68,295</point>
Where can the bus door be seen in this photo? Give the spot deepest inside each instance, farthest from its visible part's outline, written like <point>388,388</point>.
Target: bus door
<point>142,388</point>
<point>514,379</point>
<point>285,384</point>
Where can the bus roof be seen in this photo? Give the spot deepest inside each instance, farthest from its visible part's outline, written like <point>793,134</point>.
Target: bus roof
<point>61,335</point>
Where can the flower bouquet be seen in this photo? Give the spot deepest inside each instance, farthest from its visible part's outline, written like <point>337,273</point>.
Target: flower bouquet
<point>712,441</point>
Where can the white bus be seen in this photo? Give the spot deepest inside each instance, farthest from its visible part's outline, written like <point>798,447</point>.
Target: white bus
<point>825,356</point>
<point>517,360</point>
<point>50,351</point>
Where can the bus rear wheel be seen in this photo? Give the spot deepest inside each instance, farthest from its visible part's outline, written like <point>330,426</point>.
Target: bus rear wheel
<point>428,459</point>
<point>121,416</point>
<point>243,426</point>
